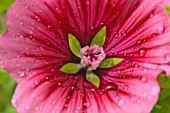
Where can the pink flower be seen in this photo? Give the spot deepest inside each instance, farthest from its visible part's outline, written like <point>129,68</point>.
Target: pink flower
<point>35,47</point>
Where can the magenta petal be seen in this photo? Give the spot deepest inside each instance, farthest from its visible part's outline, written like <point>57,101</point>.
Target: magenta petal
<point>37,42</point>
<point>132,90</point>
<point>143,35</point>
<point>35,47</point>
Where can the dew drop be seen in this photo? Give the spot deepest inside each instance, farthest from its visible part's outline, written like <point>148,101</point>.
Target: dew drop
<point>141,7</point>
<point>145,94</point>
<point>86,104</point>
<point>139,42</point>
<point>167,57</point>
<point>36,83</point>
<point>14,102</point>
<point>21,74</point>
<point>50,27</point>
<point>92,89</point>
<point>123,33</point>
<point>1,62</point>
<point>59,84</point>
<point>151,15</point>
<point>144,79</point>
<point>121,102</point>
<point>116,35</point>
<point>142,52</point>
<point>66,106</point>
<point>133,99</point>
<point>21,23</point>
<point>161,29</point>
<point>102,23</point>
<point>37,108</point>
<point>92,28</point>
<point>27,107</point>
<point>73,87</point>
<point>125,87</point>
<point>111,86</point>
<point>155,91</point>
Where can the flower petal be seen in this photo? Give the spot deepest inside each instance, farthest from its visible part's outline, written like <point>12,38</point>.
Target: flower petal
<point>34,40</point>
<point>119,92</point>
<point>143,35</point>
<point>88,17</point>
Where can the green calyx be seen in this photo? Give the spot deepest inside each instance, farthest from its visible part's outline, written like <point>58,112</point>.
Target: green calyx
<point>93,78</point>
<point>110,62</point>
<point>71,68</point>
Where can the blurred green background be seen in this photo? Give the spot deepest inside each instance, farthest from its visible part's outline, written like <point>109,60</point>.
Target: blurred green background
<point>8,85</point>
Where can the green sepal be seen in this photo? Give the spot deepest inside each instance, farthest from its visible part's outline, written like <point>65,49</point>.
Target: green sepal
<point>71,68</point>
<point>110,62</point>
<point>93,78</point>
<point>74,45</point>
<point>99,38</point>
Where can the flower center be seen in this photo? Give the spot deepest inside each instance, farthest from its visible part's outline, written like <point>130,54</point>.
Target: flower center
<point>92,56</point>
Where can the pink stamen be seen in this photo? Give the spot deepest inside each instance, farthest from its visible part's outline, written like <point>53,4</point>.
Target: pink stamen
<point>92,56</point>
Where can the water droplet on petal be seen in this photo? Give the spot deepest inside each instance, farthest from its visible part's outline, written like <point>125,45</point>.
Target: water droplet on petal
<point>142,52</point>
<point>141,7</point>
<point>125,87</point>
<point>155,91</point>
<point>86,104</point>
<point>21,74</point>
<point>1,62</point>
<point>111,86</point>
<point>14,102</point>
<point>92,89</point>
<point>59,84</point>
<point>121,102</point>
<point>37,108</point>
<point>144,79</point>
<point>66,106</point>
<point>167,57</point>
<point>151,15</point>
<point>124,33</point>
<point>145,94</point>
<point>161,29</point>
<point>92,28</point>
<point>27,107</point>
<point>133,99</point>
<point>139,42</point>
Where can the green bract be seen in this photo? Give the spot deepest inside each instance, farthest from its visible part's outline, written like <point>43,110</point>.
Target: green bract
<point>100,37</point>
<point>110,62</point>
<point>71,68</point>
<point>74,45</point>
<point>93,78</point>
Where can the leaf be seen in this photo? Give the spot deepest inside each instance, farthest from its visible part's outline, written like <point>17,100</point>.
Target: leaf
<point>7,88</point>
<point>162,105</point>
<point>99,38</point>
<point>3,76</point>
<point>2,23</point>
<point>74,45</point>
<point>71,68</point>
<point>5,4</point>
<point>167,8</point>
<point>110,62</point>
<point>93,78</point>
<point>164,81</point>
